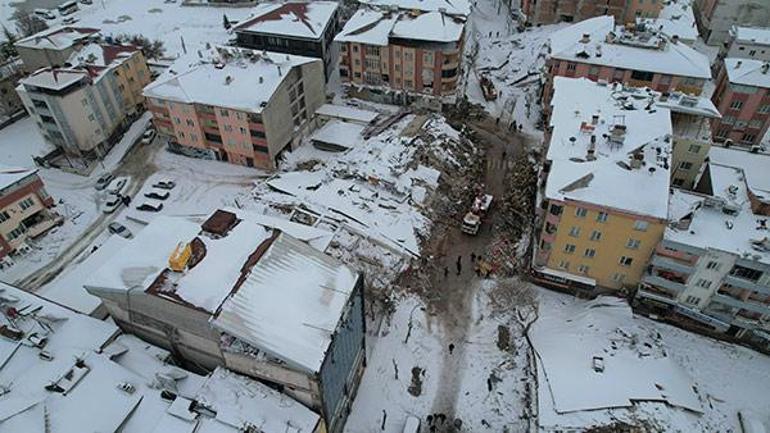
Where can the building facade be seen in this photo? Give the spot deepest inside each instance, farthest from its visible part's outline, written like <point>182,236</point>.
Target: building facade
<point>393,52</point>
<point>639,57</point>
<point>53,47</point>
<point>25,209</point>
<point>261,105</point>
<point>302,28</point>
<point>716,17</point>
<point>741,95</point>
<point>82,109</point>
<point>554,11</point>
<point>746,43</point>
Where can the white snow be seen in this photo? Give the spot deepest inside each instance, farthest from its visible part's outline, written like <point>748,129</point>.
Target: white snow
<point>55,79</point>
<point>367,26</point>
<point>343,134</point>
<point>450,7</point>
<point>754,166</point>
<point>298,19</point>
<point>676,18</point>
<point>430,26</point>
<point>346,113</point>
<point>57,38</point>
<point>749,72</point>
<point>754,35</point>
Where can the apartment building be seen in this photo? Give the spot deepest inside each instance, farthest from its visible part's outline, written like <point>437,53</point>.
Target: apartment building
<point>712,268</point>
<point>455,8</point>
<point>301,28</point>
<point>82,108</point>
<point>746,43</point>
<point>236,291</point>
<point>554,11</point>
<point>604,185</point>
<point>392,52</point>
<point>741,95</point>
<point>10,103</point>
<point>240,106</point>
<point>53,47</point>
<point>676,20</point>
<point>636,56</point>
<point>25,209</point>
<point>715,18</point>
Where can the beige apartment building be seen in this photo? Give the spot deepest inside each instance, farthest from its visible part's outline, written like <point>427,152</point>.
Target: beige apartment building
<point>240,106</point>
<point>24,209</point>
<point>83,108</point>
<point>53,47</point>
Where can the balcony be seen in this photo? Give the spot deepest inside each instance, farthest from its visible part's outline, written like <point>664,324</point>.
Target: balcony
<point>664,283</point>
<point>41,222</point>
<point>725,299</point>
<point>659,296</point>
<point>743,283</point>
<point>674,265</point>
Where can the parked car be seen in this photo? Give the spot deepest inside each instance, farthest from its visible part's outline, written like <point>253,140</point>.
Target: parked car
<point>119,229</point>
<point>70,20</point>
<point>45,14</point>
<point>157,195</point>
<point>118,185</point>
<point>165,184</point>
<point>150,206</point>
<point>148,136</point>
<point>87,2</point>
<point>113,202</point>
<point>103,181</point>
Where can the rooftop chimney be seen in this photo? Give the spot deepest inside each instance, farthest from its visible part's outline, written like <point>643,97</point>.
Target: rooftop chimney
<point>738,64</point>
<point>586,38</point>
<point>228,80</point>
<point>594,121</point>
<point>618,134</point>
<point>636,160</point>
<point>765,67</point>
<point>675,39</point>
<point>591,153</point>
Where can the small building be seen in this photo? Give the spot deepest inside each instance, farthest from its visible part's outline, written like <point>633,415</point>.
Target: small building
<point>240,291</point>
<point>742,86</point>
<point>390,53</point>
<point>25,209</point>
<point>712,267</point>
<point>301,28</point>
<point>715,18</point>
<point>746,43</point>
<point>61,363</point>
<point>83,107</point>
<point>554,11</point>
<point>240,106</point>
<point>53,47</point>
<point>637,56</point>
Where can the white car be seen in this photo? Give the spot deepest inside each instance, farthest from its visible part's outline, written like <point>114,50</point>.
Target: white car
<point>150,206</point>
<point>164,184</point>
<point>118,186</point>
<point>113,202</point>
<point>148,136</point>
<point>119,229</point>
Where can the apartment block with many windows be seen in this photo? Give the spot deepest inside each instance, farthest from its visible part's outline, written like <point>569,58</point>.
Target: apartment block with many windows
<point>635,56</point>
<point>82,108</point>
<point>712,267</point>
<point>240,106</point>
<point>742,96</point>
<point>746,43</point>
<point>25,209</point>
<point>622,11</point>
<point>394,52</point>
<point>715,18</point>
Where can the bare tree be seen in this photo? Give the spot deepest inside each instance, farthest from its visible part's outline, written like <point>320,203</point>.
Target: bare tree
<point>151,49</point>
<point>28,24</point>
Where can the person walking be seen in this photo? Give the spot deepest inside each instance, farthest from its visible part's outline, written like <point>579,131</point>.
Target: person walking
<point>446,272</point>
<point>459,265</point>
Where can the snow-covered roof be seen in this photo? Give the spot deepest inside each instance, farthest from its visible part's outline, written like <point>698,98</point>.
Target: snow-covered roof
<point>344,112</point>
<point>290,303</point>
<point>711,226</point>
<point>11,175</point>
<point>754,35</point>
<point>748,72</point>
<point>298,19</point>
<point>625,125</point>
<point>57,38</point>
<point>675,19</point>
<point>242,80</point>
<point>607,45</point>
<point>100,54</point>
<point>451,7</point>
<point>376,27</point>
<point>339,134</point>
<point>55,78</point>
<point>756,167</point>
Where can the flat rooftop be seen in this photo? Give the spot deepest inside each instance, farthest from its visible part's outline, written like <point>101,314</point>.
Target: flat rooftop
<point>754,35</point>
<point>100,54</point>
<point>597,133</point>
<point>242,80</point>
<point>451,7</point>
<point>298,19</point>
<point>607,45</point>
<point>344,112</point>
<point>748,72</point>
<point>57,38</point>
<point>755,166</point>
<point>377,27</point>
<point>55,78</point>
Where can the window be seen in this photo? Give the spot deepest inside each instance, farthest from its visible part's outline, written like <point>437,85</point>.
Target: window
<point>602,217</point>
<point>748,138</point>
<point>262,149</point>
<point>712,265</point>
<point>746,273</point>
<point>583,269</point>
<point>694,148</point>
<point>618,278</point>
<point>685,165</point>
<point>692,300</point>
<point>177,120</point>
<point>574,232</point>
<point>571,66</point>
<point>555,209</point>
<point>223,112</point>
<point>633,244</point>
<point>257,134</point>
<point>764,109</point>
<point>213,137</point>
<point>564,265</point>
<point>678,181</point>
<point>4,216</point>
<point>703,283</point>
<point>736,105</point>
<point>40,104</point>
<point>596,235</point>
<point>569,248</point>
<point>581,212</point>
<point>755,124</point>
<point>626,261</point>
<point>642,75</point>
<point>590,253</point>
<point>229,128</point>
<point>728,120</point>
<point>740,124</point>
<point>26,203</point>
<point>641,226</point>
<point>189,122</point>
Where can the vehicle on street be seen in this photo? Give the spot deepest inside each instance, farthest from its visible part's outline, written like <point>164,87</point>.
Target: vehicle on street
<point>70,20</point>
<point>87,2</point>
<point>118,185</point>
<point>103,181</point>
<point>148,136</point>
<point>112,202</point>
<point>68,8</point>
<point>472,220</point>
<point>157,195</point>
<point>119,229</point>
<point>45,14</point>
<point>164,184</point>
<point>150,206</point>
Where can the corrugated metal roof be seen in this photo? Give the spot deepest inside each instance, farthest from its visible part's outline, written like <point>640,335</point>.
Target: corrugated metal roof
<point>290,304</point>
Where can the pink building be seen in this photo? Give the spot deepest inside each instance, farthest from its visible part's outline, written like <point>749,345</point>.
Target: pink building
<point>743,100</point>
<point>638,57</point>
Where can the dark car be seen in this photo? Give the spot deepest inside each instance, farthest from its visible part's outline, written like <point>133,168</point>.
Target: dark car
<point>150,206</point>
<point>157,195</point>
